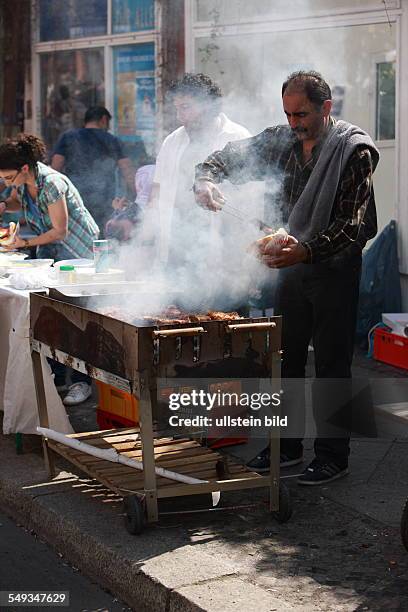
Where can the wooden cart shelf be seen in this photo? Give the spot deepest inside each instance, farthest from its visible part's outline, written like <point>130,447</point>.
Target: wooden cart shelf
<point>183,455</point>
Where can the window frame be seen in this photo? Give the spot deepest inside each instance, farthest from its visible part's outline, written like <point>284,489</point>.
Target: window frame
<point>107,42</point>
<point>376,59</point>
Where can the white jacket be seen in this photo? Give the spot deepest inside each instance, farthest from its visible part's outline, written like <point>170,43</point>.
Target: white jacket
<point>167,172</point>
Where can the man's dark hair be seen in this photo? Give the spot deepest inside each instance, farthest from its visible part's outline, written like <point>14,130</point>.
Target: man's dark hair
<point>96,113</point>
<point>199,86</point>
<point>311,83</point>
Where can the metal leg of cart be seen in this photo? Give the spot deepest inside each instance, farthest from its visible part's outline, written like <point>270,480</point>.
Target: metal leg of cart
<point>42,409</point>
<point>146,434</point>
<point>274,440</point>
<point>280,502</point>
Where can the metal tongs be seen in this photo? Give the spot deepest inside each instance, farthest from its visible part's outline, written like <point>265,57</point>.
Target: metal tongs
<point>235,212</point>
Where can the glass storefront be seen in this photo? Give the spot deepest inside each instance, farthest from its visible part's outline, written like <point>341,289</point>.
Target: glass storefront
<point>62,20</point>
<point>120,77</point>
<point>71,81</point>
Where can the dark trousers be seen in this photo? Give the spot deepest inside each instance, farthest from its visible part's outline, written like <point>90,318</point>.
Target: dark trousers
<point>318,303</point>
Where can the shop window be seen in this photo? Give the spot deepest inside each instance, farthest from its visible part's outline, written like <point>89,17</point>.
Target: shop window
<point>385,101</point>
<point>62,19</point>
<point>134,90</point>
<point>71,82</point>
<point>132,16</point>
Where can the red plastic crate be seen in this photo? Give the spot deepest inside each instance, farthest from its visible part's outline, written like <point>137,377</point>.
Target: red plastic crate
<point>107,420</point>
<point>390,348</point>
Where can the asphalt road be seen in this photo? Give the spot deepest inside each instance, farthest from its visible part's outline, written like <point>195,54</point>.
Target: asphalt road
<point>28,564</point>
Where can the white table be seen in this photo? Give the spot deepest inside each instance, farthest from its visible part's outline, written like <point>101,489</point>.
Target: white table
<point>17,391</point>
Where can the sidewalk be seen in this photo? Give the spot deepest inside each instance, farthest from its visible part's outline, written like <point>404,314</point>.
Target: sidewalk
<point>341,550</point>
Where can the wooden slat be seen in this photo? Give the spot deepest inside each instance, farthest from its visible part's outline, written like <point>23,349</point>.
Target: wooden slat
<point>159,452</point>
<point>200,465</point>
<point>88,435</point>
<point>171,463</point>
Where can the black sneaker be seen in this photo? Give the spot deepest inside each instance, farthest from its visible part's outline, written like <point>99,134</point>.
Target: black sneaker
<point>261,463</point>
<point>319,472</point>
<point>287,461</point>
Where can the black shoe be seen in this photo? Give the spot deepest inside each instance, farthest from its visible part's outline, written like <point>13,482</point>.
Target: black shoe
<point>261,463</point>
<point>287,461</point>
<point>320,472</point>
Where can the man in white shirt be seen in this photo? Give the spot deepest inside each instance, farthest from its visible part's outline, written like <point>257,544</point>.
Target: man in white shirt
<point>186,235</point>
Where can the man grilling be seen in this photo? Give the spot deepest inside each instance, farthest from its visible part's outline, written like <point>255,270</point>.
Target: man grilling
<point>186,235</point>
<point>326,200</point>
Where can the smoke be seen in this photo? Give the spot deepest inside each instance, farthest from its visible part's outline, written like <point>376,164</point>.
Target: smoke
<point>209,263</point>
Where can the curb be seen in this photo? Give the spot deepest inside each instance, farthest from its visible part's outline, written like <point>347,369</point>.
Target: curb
<point>206,584</point>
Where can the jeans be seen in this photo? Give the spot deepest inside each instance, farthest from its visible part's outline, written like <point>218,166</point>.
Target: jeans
<point>318,302</point>
<point>58,252</point>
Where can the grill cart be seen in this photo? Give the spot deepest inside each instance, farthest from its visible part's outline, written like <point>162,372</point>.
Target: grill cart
<point>140,463</point>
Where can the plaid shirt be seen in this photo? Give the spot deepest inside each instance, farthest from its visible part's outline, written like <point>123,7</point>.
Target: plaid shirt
<point>53,186</point>
<point>275,156</point>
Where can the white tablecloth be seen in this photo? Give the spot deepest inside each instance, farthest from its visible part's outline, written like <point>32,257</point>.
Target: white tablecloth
<point>17,391</point>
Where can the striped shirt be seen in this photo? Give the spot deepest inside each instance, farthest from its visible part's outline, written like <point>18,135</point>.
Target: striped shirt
<point>53,186</point>
<point>275,156</point>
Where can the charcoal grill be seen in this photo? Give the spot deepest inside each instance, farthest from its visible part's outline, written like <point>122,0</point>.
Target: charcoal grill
<point>131,357</point>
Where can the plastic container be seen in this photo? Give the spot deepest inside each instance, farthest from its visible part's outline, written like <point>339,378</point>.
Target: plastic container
<point>67,275</point>
<point>114,402</point>
<point>391,348</point>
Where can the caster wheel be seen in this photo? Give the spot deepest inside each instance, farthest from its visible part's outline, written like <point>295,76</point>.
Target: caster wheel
<point>404,526</point>
<point>134,514</point>
<point>285,505</point>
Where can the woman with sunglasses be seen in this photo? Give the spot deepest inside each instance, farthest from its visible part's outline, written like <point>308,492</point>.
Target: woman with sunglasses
<point>55,212</point>
<point>50,203</point>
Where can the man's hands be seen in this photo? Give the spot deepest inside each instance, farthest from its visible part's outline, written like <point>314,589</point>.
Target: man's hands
<point>119,203</point>
<point>292,253</point>
<point>208,195</point>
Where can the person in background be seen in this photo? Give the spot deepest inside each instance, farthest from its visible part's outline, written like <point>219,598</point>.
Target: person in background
<point>325,170</point>
<point>128,216</point>
<point>90,156</point>
<point>53,209</point>
<point>204,128</point>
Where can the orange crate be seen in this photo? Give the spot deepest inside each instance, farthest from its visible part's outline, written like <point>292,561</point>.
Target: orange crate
<point>116,402</point>
<point>390,348</point>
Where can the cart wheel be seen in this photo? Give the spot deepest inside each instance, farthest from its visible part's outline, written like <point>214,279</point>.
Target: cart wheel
<point>285,505</point>
<point>404,526</point>
<point>134,514</point>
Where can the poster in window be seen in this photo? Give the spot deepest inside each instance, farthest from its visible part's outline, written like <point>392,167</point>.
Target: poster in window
<point>134,89</point>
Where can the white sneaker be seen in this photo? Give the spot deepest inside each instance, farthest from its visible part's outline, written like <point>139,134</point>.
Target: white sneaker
<point>77,393</point>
